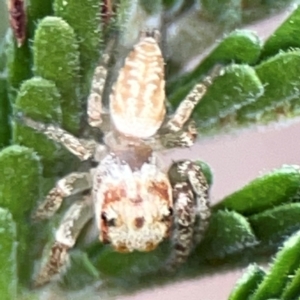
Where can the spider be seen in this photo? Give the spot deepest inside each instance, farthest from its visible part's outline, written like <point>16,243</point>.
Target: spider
<point>136,200</point>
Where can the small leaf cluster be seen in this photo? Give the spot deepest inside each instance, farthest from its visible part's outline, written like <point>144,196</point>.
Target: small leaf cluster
<point>260,84</point>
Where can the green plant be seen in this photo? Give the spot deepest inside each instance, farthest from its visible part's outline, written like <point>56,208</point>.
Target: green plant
<point>49,80</point>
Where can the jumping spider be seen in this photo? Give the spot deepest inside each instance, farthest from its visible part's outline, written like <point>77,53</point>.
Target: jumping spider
<point>137,202</point>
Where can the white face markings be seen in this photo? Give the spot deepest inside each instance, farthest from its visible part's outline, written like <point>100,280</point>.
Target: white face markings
<point>133,206</point>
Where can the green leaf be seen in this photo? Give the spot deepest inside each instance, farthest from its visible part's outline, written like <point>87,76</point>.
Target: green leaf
<point>236,88</point>
<point>248,283</point>
<point>275,188</point>
<point>5,133</point>
<point>36,10</point>
<point>83,16</point>
<point>286,262</point>
<point>56,58</point>
<point>292,289</point>
<point>285,37</point>
<point>280,87</point>
<point>19,192</point>
<point>240,46</point>
<point>19,62</point>
<point>40,100</point>
<point>273,225</point>
<point>8,256</point>
<point>228,233</point>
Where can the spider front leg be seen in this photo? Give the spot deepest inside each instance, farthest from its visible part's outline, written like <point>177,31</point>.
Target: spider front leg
<point>180,131</point>
<point>81,148</point>
<point>96,114</point>
<point>73,222</point>
<point>191,210</point>
<point>71,184</point>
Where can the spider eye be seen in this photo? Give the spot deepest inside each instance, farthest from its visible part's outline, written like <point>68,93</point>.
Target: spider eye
<point>111,222</point>
<point>170,211</point>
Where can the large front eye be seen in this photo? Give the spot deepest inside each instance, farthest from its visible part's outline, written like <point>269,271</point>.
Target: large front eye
<point>108,222</point>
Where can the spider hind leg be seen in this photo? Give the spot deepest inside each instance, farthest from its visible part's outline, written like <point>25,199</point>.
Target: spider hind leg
<point>74,220</point>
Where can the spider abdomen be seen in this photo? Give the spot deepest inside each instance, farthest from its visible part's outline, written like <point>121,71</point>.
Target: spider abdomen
<point>137,102</point>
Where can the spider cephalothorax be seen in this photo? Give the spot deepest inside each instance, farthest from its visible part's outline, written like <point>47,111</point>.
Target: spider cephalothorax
<point>133,205</point>
<point>136,200</point>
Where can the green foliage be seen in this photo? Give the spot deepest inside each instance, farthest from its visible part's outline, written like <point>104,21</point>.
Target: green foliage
<point>215,105</point>
<point>279,90</point>
<point>65,41</point>
<point>282,184</point>
<point>8,256</point>
<point>248,283</point>
<point>280,282</point>
<point>87,30</point>
<point>241,46</point>
<point>56,58</point>
<point>221,241</point>
<point>20,189</point>
<point>39,99</point>
<point>285,37</point>
<point>269,91</point>
<point>17,72</point>
<point>273,225</point>
<point>4,113</point>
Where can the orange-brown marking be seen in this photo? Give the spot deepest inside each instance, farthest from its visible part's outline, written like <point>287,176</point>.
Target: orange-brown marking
<point>159,188</point>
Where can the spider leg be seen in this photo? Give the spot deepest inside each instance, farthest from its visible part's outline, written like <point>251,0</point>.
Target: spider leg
<point>81,148</point>
<point>98,116</point>
<point>67,186</point>
<point>191,210</point>
<point>73,222</point>
<point>179,131</point>
<point>96,113</point>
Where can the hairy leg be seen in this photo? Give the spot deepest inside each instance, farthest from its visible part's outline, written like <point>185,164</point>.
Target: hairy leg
<point>179,131</point>
<point>191,210</point>
<point>67,186</point>
<point>95,111</point>
<point>98,116</point>
<point>83,149</point>
<point>73,222</point>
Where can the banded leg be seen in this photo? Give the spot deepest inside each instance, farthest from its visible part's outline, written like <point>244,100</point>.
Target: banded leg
<point>178,131</point>
<point>97,115</point>
<point>73,222</point>
<point>191,210</point>
<point>95,110</point>
<point>81,148</point>
<point>67,186</point>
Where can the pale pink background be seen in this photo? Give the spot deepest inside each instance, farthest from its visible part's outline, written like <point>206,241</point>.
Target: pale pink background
<point>235,159</point>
